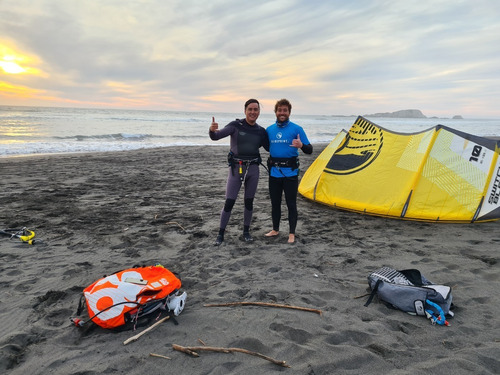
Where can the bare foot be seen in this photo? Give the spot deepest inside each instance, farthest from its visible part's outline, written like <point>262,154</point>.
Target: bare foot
<point>272,233</point>
<point>291,238</point>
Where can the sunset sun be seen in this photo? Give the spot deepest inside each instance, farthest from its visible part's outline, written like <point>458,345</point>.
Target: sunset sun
<point>11,67</point>
<point>15,62</point>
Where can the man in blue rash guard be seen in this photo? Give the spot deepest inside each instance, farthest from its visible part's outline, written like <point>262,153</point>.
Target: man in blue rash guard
<point>286,138</point>
<point>244,159</point>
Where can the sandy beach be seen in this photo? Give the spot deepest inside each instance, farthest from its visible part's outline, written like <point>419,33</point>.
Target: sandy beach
<point>95,214</point>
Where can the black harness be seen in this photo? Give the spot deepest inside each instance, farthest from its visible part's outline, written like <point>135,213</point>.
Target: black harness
<point>232,161</point>
<point>283,162</point>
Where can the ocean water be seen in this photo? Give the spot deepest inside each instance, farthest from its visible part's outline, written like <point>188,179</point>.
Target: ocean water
<point>44,130</point>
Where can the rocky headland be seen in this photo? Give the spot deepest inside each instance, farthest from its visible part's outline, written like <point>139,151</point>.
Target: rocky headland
<point>405,113</point>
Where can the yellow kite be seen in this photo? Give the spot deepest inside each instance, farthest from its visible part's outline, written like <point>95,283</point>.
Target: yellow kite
<point>440,174</point>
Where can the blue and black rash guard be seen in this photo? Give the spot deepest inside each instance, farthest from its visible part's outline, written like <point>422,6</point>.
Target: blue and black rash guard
<point>281,136</point>
<point>245,139</point>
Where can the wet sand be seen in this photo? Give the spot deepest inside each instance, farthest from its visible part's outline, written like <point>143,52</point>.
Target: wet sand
<point>95,214</point>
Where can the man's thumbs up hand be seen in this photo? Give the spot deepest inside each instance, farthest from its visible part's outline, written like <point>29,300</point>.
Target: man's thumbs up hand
<point>215,126</point>
<point>297,143</point>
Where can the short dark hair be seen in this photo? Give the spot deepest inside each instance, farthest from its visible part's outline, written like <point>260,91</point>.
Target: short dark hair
<point>250,101</point>
<point>282,102</point>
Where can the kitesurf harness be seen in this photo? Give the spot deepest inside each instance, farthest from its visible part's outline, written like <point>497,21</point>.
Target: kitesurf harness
<point>279,163</point>
<point>292,162</point>
<point>233,161</point>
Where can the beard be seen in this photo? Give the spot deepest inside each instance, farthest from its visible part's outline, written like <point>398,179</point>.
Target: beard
<point>282,119</point>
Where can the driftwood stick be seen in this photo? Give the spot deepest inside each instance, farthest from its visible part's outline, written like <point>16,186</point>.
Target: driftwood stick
<point>264,304</point>
<point>186,350</point>
<point>363,295</point>
<point>192,350</point>
<point>133,338</point>
<point>159,356</point>
<point>175,223</point>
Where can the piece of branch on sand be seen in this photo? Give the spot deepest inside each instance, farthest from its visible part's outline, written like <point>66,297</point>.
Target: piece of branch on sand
<point>175,223</point>
<point>159,356</point>
<point>361,296</point>
<point>266,304</point>
<point>192,350</point>
<point>134,338</point>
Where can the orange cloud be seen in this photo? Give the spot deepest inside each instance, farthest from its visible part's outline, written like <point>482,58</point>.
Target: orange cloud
<point>7,89</point>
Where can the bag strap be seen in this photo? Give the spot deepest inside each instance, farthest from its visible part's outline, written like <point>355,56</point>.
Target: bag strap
<point>374,291</point>
<point>81,305</point>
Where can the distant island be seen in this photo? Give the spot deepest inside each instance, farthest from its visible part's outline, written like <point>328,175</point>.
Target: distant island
<point>406,113</point>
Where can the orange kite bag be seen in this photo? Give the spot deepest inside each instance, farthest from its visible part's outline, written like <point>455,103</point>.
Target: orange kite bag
<point>128,295</point>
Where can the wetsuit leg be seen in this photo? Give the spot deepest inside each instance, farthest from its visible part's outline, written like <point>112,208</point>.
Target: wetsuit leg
<point>275,193</point>
<point>232,188</point>
<point>248,212</point>
<point>290,187</point>
<point>251,182</point>
<point>226,212</point>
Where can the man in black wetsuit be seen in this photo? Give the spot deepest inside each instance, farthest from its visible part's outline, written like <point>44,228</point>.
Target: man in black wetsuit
<point>244,159</point>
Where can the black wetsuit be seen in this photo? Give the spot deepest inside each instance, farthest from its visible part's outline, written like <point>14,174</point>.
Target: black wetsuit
<point>245,143</point>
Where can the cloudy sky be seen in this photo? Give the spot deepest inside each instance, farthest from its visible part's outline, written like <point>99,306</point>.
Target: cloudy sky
<point>328,57</point>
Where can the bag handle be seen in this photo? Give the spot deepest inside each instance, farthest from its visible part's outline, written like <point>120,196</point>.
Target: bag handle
<point>440,318</point>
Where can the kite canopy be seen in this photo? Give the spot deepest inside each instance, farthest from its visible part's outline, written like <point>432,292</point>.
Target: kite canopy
<point>440,174</point>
